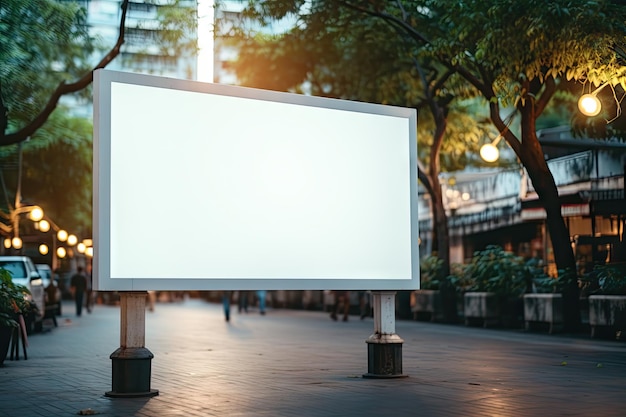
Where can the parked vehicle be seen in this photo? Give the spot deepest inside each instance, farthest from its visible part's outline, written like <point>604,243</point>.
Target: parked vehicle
<point>47,276</point>
<point>23,272</point>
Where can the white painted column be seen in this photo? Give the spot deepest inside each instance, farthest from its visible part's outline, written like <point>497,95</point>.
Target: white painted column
<point>384,346</point>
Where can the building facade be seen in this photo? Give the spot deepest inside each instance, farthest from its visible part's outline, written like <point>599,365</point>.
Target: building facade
<point>501,206</point>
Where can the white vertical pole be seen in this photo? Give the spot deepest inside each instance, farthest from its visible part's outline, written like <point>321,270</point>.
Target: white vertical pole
<point>384,346</point>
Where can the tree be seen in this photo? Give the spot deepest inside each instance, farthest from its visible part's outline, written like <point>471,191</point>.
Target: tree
<point>43,44</point>
<point>520,52</point>
<point>342,53</point>
<point>511,52</point>
<point>56,172</point>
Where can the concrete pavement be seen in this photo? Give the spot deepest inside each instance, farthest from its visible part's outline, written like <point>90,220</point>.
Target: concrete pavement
<point>300,363</point>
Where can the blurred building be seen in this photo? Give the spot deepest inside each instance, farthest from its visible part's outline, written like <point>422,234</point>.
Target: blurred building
<point>141,51</point>
<point>500,206</point>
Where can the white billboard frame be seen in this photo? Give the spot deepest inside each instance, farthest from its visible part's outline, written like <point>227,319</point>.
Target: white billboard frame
<point>132,111</point>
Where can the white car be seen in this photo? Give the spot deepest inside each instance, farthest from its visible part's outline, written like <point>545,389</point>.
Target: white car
<point>23,272</point>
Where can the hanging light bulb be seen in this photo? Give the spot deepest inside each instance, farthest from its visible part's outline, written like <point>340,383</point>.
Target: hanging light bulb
<point>62,235</point>
<point>44,226</point>
<point>489,152</point>
<point>589,105</point>
<point>16,242</point>
<point>36,214</point>
<point>72,240</point>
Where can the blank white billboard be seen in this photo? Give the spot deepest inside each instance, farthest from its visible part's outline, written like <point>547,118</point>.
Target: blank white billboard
<point>206,186</point>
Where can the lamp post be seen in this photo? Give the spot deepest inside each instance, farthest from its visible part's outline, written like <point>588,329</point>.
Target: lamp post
<point>12,229</point>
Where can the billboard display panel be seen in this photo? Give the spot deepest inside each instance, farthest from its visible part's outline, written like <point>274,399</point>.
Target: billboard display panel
<point>206,186</point>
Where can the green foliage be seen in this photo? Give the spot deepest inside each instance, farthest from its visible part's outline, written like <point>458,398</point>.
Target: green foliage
<point>543,283</point>
<point>431,272</point>
<point>340,52</point>
<point>558,39</point>
<point>458,279</point>
<point>495,270</point>
<point>609,279</point>
<point>42,42</point>
<point>12,299</point>
<point>57,171</point>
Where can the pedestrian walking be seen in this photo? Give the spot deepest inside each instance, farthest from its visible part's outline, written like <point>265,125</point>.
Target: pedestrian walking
<point>342,303</point>
<point>242,301</point>
<point>261,295</point>
<point>226,296</point>
<point>78,286</point>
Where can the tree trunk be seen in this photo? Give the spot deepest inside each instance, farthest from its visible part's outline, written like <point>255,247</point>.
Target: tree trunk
<point>531,156</point>
<point>448,292</point>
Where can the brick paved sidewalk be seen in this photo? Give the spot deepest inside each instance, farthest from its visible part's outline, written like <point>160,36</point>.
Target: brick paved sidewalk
<point>300,363</point>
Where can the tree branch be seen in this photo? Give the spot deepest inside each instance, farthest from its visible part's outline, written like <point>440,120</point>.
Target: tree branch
<point>548,92</point>
<point>63,88</point>
<point>410,30</point>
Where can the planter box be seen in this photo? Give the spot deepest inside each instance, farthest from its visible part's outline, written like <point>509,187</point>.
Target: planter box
<point>607,311</point>
<point>543,308</point>
<point>481,306</point>
<point>427,303</point>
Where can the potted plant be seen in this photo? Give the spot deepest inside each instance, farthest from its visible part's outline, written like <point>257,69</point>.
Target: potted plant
<point>606,285</point>
<point>544,304</point>
<point>13,302</point>
<point>497,283</point>
<point>426,302</point>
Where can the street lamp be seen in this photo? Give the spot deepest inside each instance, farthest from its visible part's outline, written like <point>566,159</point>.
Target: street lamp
<point>35,213</point>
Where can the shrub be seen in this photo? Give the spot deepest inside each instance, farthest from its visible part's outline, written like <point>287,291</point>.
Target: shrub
<point>12,299</point>
<point>609,279</point>
<point>495,270</point>
<point>431,272</point>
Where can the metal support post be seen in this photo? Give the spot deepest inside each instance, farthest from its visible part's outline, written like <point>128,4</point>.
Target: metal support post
<point>132,361</point>
<point>384,347</point>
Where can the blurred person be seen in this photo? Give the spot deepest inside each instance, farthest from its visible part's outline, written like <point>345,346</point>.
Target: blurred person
<point>364,304</point>
<point>242,301</point>
<point>78,286</point>
<point>226,296</point>
<point>262,296</point>
<point>342,301</point>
